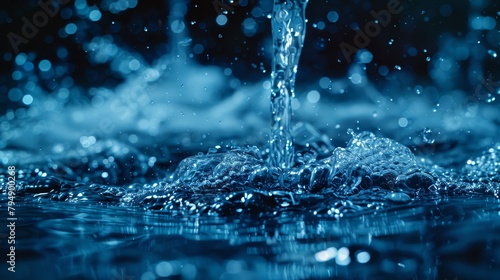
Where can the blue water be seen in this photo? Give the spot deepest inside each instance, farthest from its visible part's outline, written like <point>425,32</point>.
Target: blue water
<point>148,159</point>
<point>370,210</point>
<point>433,238</point>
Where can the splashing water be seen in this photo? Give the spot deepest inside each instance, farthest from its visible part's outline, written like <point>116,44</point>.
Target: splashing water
<point>289,27</point>
<point>244,212</point>
<point>234,180</point>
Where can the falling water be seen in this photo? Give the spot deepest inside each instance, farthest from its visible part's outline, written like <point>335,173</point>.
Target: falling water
<point>424,204</point>
<point>288,24</point>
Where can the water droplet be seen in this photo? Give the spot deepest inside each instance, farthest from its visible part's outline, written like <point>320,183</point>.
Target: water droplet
<point>363,257</point>
<point>427,136</point>
<point>403,122</point>
<point>221,20</point>
<point>398,197</point>
<point>418,89</point>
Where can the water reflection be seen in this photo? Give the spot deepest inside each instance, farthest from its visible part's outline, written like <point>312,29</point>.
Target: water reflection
<point>435,239</point>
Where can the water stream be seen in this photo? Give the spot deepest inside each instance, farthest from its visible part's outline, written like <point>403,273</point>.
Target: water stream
<point>288,30</point>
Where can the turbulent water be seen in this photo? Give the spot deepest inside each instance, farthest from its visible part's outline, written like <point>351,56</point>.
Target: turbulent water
<point>368,173</point>
<point>146,183</point>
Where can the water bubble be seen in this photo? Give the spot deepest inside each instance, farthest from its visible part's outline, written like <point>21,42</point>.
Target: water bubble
<point>483,23</point>
<point>363,257</point>
<point>326,255</point>
<point>320,25</point>
<point>17,75</point>
<point>21,59</point>
<point>95,15</point>
<point>403,122</point>
<point>365,56</point>
<point>28,66</point>
<point>398,197</point>
<point>343,257</point>
<point>492,53</point>
<point>70,28</point>
<point>87,141</point>
<point>221,19</point>
<point>198,48</point>
<point>62,52</point>
<point>164,269</point>
<point>249,26</point>
<point>44,65</point>
<point>324,82</point>
<point>134,64</point>
<point>313,96</point>
<point>383,70</point>
<point>356,78</point>
<point>332,16</point>
<point>133,138</point>
<point>27,99</point>
<point>256,12</point>
<point>177,26</point>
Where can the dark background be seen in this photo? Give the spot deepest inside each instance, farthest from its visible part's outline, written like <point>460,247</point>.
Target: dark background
<point>421,25</point>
